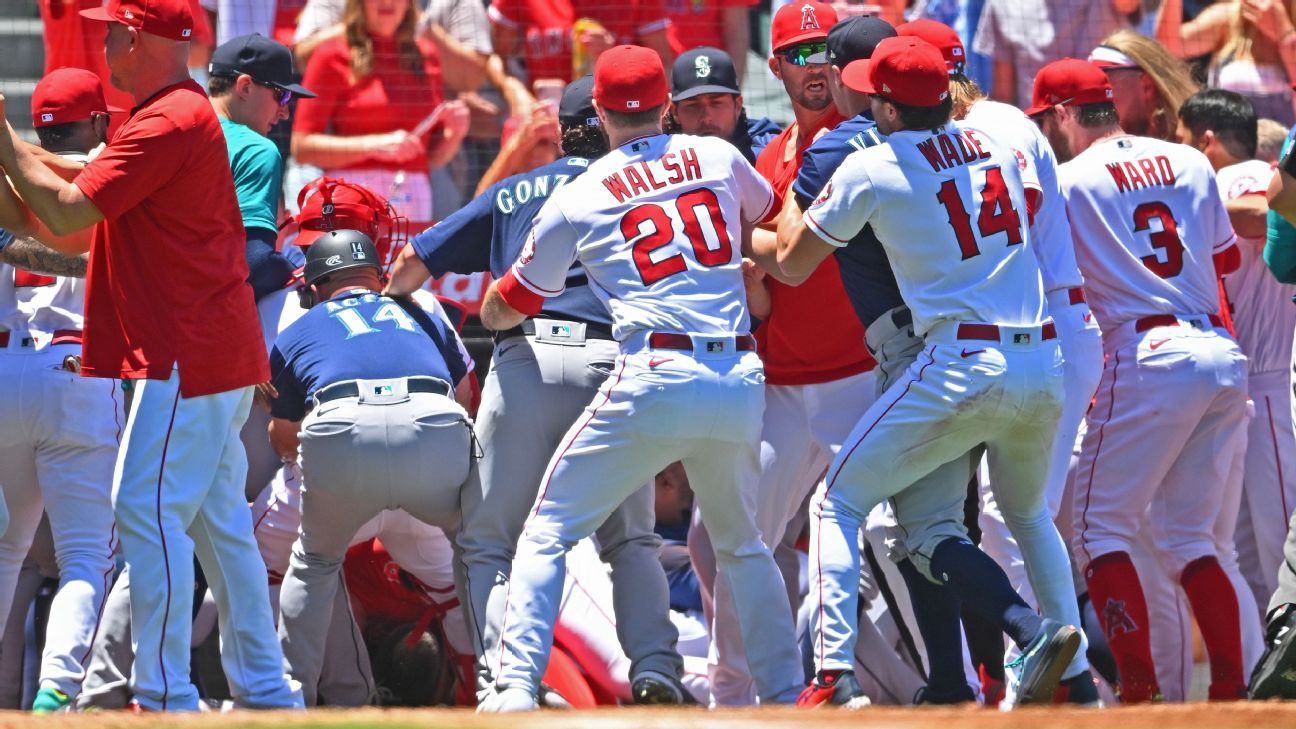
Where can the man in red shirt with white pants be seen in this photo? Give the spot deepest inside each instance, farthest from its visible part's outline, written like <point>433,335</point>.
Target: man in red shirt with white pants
<point>167,304</point>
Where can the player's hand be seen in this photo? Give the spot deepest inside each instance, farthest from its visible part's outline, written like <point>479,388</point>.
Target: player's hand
<point>265,395</point>
<point>1268,16</point>
<point>399,146</point>
<point>456,118</point>
<point>596,40</point>
<point>752,272</point>
<point>541,125</point>
<point>479,105</point>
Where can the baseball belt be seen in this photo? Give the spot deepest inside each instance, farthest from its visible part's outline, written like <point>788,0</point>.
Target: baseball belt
<point>528,329</point>
<point>351,388</point>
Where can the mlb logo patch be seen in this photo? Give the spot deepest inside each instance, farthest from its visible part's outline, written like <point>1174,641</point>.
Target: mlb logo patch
<point>1023,338</point>
<point>381,390</point>
<point>715,347</point>
<point>186,33</point>
<point>632,104</point>
<point>47,117</point>
<point>357,251</point>
<point>560,330</point>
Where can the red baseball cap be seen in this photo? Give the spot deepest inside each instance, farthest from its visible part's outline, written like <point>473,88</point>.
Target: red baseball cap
<point>1068,81</point>
<point>799,22</point>
<point>630,79</point>
<point>67,95</point>
<point>940,35</point>
<point>904,69</point>
<point>165,18</point>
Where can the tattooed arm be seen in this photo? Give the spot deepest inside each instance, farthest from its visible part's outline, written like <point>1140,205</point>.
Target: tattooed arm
<point>29,254</point>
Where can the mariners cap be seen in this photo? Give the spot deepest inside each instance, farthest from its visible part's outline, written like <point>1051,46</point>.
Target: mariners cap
<point>68,95</point>
<point>1106,57</point>
<point>630,79</point>
<point>800,22</point>
<point>906,70</point>
<point>940,35</point>
<point>854,39</point>
<point>164,18</point>
<point>703,71</point>
<point>576,108</point>
<point>334,204</point>
<point>1069,82</point>
<point>338,250</point>
<point>264,59</point>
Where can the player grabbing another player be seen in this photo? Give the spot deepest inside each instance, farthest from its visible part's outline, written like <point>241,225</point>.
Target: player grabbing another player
<point>657,224</point>
<point>949,206</point>
<point>1170,415</point>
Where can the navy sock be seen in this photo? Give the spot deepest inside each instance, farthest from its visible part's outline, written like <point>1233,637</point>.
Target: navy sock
<point>979,582</point>
<point>936,608</point>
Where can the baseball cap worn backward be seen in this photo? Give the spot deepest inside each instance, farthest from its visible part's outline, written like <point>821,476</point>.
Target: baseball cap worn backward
<point>339,250</point>
<point>798,22</point>
<point>854,39</point>
<point>629,79</point>
<point>910,71</point>
<point>940,35</point>
<point>164,18</point>
<point>68,95</point>
<point>576,107</point>
<point>1067,82</point>
<point>262,58</point>
<point>703,71</point>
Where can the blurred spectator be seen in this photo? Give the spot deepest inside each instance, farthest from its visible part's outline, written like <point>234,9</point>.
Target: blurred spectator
<point>1270,136</point>
<point>560,39</point>
<point>713,23</point>
<point>528,142</point>
<point>1023,35</point>
<point>1252,44</point>
<point>458,28</point>
<point>272,18</point>
<point>706,101</point>
<point>377,84</point>
<point>1148,83</point>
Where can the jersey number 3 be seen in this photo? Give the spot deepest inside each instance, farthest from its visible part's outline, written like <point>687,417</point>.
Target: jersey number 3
<point>996,214</point>
<point>1166,239</point>
<point>661,232</point>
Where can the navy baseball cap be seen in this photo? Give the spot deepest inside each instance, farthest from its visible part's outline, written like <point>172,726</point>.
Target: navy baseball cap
<point>854,39</point>
<point>264,59</point>
<point>703,71</point>
<point>576,108</point>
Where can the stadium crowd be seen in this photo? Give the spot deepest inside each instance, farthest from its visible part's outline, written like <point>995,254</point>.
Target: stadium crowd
<point>251,457</point>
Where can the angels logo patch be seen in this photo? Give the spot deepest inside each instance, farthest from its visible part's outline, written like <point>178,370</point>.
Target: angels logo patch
<point>823,196</point>
<point>1021,160</point>
<point>528,250</point>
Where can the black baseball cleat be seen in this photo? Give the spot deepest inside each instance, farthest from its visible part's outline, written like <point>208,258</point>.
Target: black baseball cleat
<point>653,688</point>
<point>927,696</point>
<point>1081,690</point>
<point>1040,666</point>
<point>1274,676</point>
<point>833,688</point>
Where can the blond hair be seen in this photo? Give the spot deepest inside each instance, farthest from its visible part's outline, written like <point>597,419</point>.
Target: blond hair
<point>1270,136</point>
<point>360,42</point>
<point>1242,36</point>
<point>965,92</point>
<point>1171,76</point>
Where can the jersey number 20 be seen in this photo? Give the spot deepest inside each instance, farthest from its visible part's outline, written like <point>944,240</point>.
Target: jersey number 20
<point>661,232</point>
<point>996,214</point>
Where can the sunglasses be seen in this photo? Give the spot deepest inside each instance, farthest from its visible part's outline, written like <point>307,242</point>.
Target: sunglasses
<point>285,95</point>
<point>800,55</point>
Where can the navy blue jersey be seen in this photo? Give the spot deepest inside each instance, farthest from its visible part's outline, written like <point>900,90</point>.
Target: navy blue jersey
<point>488,234</point>
<point>865,270</point>
<point>359,335</point>
<point>753,140</point>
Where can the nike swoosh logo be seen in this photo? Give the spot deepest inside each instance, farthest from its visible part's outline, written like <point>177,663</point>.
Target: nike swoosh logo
<point>1157,343</point>
<point>967,354</point>
<point>656,361</point>
<point>1088,318</point>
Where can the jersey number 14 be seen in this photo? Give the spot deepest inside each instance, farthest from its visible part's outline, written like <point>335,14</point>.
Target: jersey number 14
<point>996,214</point>
<point>357,324</point>
<point>662,232</point>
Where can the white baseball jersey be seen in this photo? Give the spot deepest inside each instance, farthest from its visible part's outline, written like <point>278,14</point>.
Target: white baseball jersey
<point>657,224</point>
<point>1146,218</point>
<point>1263,313</point>
<point>1050,231</point>
<point>42,304</point>
<point>949,207</point>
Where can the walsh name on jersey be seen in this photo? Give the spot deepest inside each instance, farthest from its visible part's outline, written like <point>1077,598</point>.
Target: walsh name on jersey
<point>645,176</point>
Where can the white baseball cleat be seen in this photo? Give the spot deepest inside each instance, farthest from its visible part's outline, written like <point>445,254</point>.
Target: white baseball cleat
<point>508,701</point>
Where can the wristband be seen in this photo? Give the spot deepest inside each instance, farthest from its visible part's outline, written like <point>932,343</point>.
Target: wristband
<point>5,238</point>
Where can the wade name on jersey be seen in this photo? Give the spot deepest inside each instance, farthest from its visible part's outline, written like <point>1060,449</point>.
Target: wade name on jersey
<point>944,151</point>
<point>637,178</point>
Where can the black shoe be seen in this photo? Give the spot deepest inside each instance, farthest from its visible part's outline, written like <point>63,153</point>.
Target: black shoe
<point>1082,691</point>
<point>1274,676</point>
<point>653,688</point>
<point>928,697</point>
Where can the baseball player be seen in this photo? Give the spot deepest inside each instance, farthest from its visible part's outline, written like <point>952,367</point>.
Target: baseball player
<point>990,371</point>
<point>167,304</point>
<point>1078,334</point>
<point>543,373</point>
<point>1147,220</point>
<point>655,225</point>
<point>373,434</point>
<point>707,101</point>
<point>58,432</point>
<point>1222,124</point>
<point>251,85</point>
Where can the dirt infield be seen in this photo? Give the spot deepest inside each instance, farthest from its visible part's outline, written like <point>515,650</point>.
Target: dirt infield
<point>1269,715</point>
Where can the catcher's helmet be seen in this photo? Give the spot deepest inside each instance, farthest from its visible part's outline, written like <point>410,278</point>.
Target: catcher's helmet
<point>337,250</point>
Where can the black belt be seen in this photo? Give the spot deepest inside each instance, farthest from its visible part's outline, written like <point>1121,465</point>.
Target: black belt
<point>351,388</point>
<point>527,329</point>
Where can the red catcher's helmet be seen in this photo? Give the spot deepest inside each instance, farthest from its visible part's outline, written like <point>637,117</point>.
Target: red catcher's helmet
<point>329,203</point>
